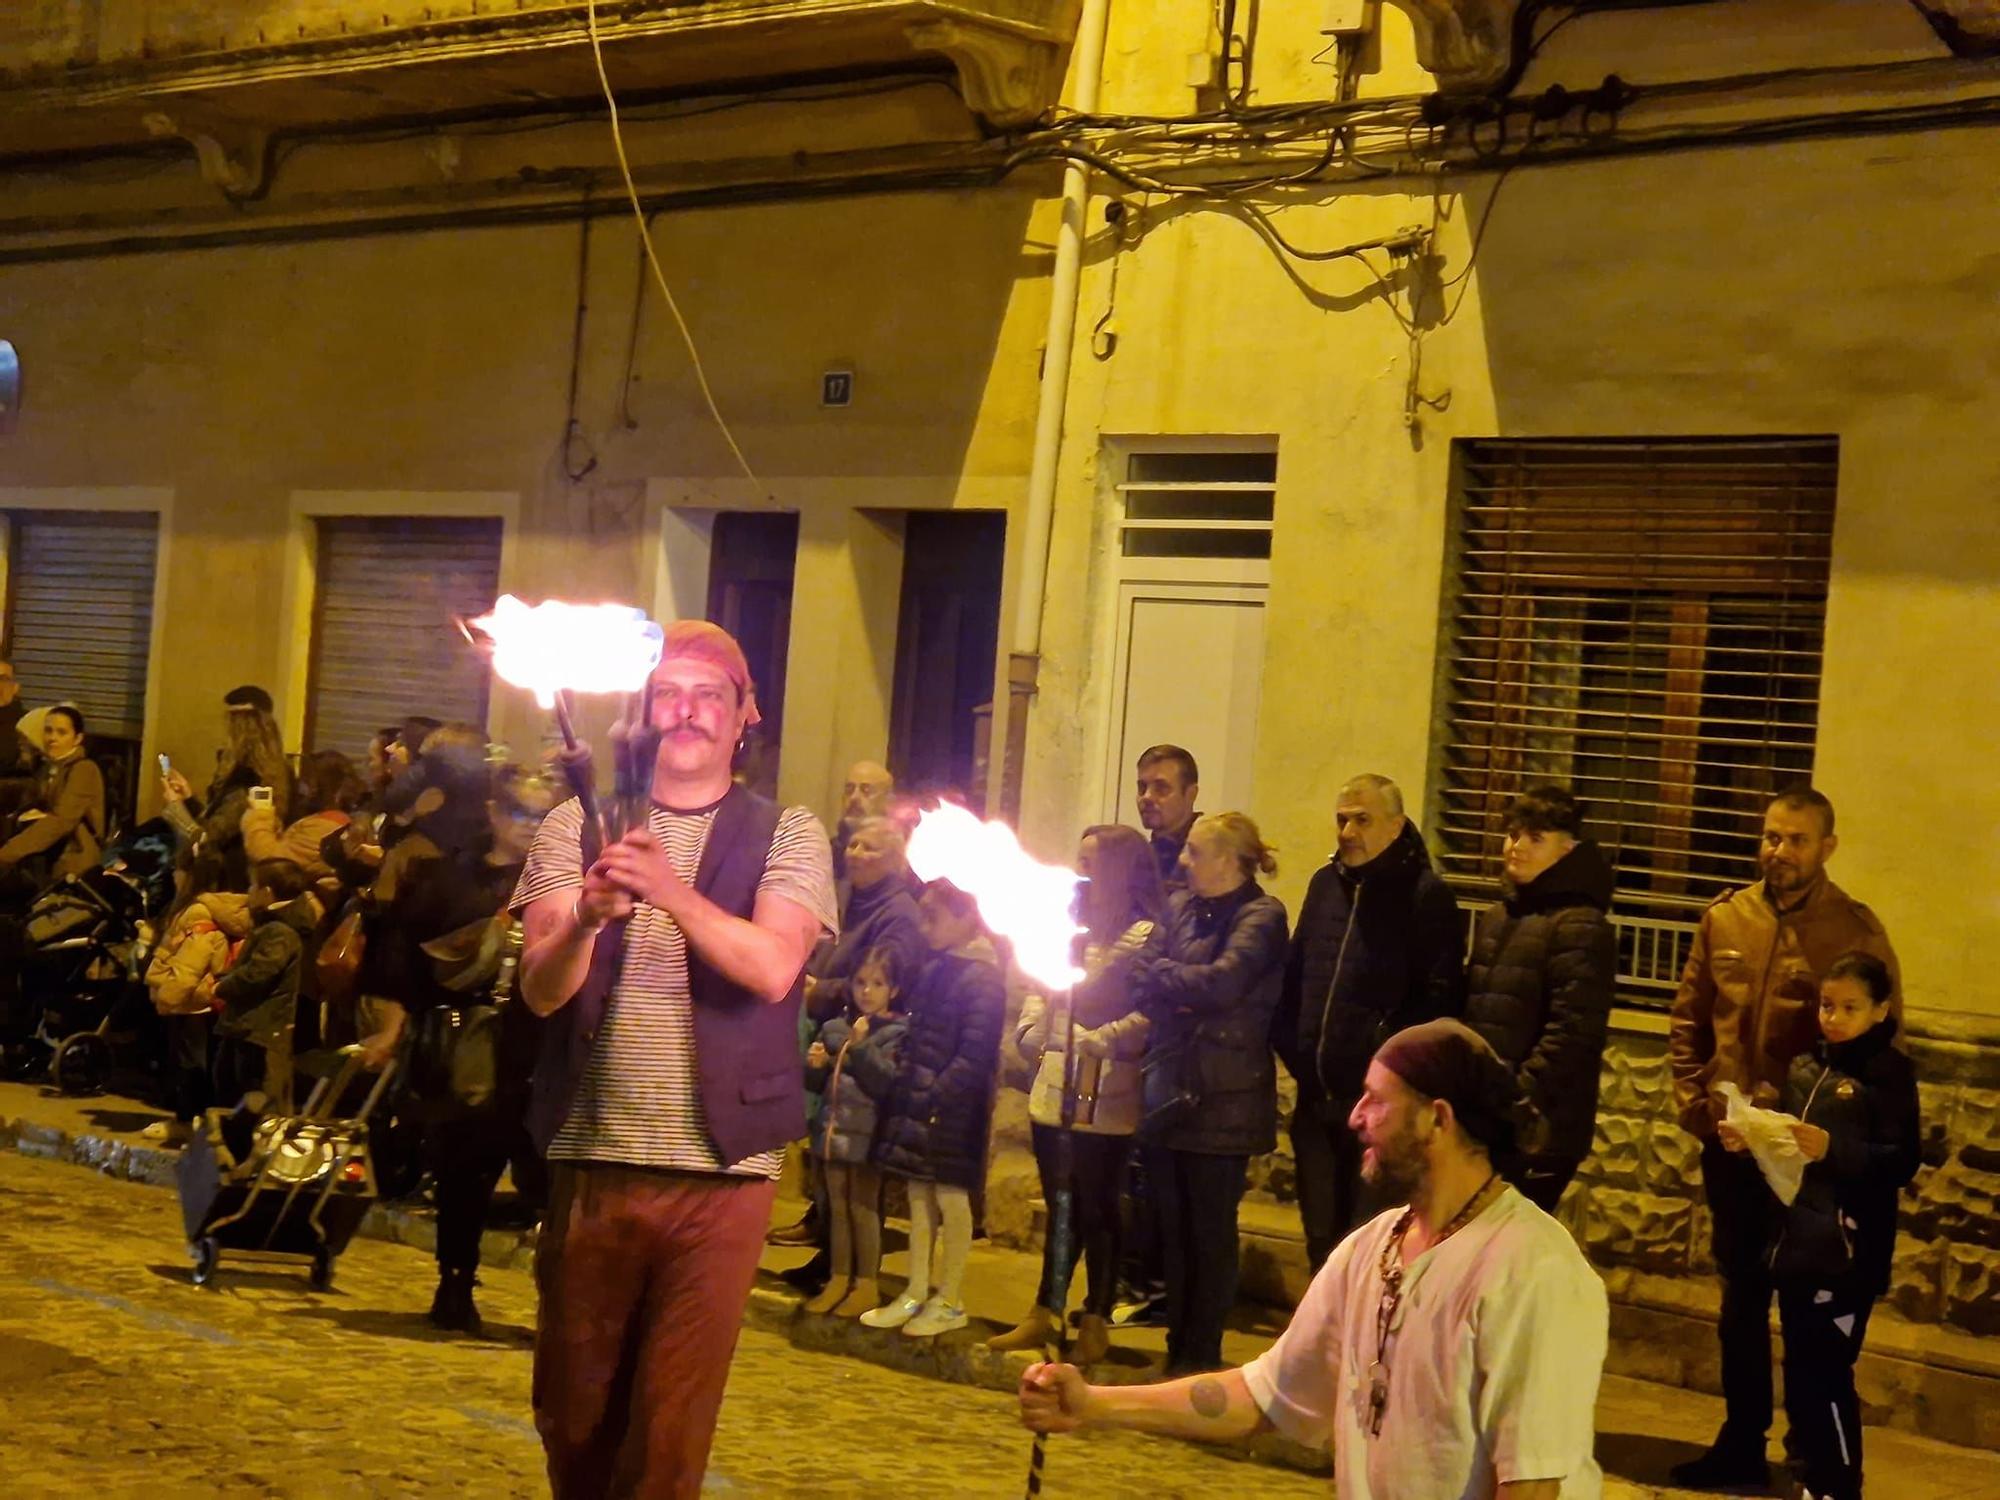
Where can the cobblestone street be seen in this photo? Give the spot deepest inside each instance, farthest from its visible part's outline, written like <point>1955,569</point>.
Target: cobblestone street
<point>119,1377</point>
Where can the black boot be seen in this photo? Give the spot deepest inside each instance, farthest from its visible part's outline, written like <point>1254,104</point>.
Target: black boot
<point>1733,1464</point>
<point>452,1307</point>
<point>811,1276</point>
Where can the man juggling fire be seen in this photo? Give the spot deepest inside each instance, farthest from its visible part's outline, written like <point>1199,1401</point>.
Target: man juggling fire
<point>670,968</point>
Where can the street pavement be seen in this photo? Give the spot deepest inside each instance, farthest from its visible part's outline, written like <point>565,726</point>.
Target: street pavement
<point>119,1377</point>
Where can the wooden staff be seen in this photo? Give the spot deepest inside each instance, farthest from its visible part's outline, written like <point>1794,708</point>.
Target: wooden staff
<point>1062,1252</point>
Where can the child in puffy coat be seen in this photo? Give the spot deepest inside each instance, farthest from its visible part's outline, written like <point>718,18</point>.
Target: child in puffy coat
<point>1856,1098</point>
<point>933,1129</point>
<point>852,1066</point>
<point>180,977</point>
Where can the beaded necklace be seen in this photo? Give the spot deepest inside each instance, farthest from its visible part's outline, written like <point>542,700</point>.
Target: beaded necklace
<point>1391,1270</point>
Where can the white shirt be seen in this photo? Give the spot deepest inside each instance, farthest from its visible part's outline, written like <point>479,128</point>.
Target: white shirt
<point>1493,1363</point>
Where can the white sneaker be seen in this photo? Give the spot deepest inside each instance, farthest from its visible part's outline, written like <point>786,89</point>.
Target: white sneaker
<point>894,1315</point>
<point>938,1316</point>
<point>165,1133</point>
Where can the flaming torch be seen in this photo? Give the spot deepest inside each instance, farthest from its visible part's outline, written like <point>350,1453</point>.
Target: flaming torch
<point>557,650</point>
<point>1033,906</point>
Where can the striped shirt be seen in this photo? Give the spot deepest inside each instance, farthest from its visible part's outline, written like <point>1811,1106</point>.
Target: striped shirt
<point>639,1103</point>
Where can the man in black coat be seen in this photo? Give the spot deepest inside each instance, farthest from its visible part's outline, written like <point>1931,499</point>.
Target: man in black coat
<point>1539,985</point>
<point>1378,947</point>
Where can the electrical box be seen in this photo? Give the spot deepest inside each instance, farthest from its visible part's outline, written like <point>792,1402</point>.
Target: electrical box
<point>1349,17</point>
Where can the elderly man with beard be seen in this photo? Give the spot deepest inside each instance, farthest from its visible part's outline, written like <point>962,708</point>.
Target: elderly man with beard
<point>1747,1006</point>
<point>1449,1348</point>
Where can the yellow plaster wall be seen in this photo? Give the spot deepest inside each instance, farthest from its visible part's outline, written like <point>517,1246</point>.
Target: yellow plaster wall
<point>1837,287</point>
<point>1843,287</point>
<point>440,362</point>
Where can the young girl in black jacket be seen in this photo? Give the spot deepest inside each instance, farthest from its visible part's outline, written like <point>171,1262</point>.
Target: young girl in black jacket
<point>1856,1099</point>
<point>933,1126</point>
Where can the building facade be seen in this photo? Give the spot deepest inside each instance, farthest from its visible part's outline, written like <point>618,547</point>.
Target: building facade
<point>1465,392</point>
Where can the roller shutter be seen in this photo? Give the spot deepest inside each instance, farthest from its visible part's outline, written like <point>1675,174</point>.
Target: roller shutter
<point>80,613</point>
<point>384,642</point>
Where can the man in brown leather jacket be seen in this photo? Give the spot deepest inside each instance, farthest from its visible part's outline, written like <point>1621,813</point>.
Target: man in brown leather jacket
<point>1746,1008</point>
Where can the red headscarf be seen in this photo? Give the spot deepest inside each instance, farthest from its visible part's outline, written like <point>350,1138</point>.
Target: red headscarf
<point>700,640</point>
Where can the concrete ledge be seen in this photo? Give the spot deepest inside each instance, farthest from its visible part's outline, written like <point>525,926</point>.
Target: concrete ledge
<point>397,1223</point>
<point>1916,1377</point>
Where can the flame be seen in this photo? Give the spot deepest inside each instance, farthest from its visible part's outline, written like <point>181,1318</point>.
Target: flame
<point>586,648</point>
<point>1019,898</point>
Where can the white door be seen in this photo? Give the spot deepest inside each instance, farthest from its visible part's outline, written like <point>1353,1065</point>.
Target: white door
<point>1190,671</point>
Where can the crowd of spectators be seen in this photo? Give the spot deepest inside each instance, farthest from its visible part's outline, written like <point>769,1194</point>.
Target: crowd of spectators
<point>323,902</point>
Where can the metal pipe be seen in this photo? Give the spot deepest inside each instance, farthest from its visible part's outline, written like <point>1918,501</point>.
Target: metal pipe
<point>1024,660</point>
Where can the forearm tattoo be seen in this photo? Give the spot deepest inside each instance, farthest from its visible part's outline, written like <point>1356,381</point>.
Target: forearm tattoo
<point>1209,1398</point>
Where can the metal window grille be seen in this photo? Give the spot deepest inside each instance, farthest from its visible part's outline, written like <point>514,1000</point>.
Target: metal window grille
<point>1641,621</point>
<point>1214,504</point>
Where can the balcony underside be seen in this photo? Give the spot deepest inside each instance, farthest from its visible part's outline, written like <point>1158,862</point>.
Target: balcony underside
<point>1007,56</point>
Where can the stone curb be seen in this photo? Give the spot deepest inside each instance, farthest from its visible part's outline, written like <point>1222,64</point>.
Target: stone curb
<point>153,1166</point>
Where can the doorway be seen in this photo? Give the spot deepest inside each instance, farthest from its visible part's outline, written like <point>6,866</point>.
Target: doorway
<point>752,559</point>
<point>947,637</point>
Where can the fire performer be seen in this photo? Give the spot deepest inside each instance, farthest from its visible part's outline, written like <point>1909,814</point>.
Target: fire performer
<point>669,1082</point>
<point>1449,1348</point>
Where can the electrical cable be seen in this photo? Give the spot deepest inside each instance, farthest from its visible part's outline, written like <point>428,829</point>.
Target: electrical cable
<point>625,418</point>
<point>572,429</point>
<point>652,255</point>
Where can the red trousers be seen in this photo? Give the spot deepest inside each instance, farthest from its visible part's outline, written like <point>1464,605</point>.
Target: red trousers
<point>643,1276</point>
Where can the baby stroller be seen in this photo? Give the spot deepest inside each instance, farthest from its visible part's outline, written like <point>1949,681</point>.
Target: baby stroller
<point>85,946</point>
<point>281,1187</point>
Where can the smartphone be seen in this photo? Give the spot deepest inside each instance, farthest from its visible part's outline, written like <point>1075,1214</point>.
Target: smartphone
<point>166,766</point>
<point>260,796</point>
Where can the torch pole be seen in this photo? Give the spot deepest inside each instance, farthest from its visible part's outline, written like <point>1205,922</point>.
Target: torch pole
<point>582,778</point>
<point>1062,1210</point>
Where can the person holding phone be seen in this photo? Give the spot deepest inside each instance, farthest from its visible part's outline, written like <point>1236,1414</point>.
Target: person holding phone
<point>253,756</point>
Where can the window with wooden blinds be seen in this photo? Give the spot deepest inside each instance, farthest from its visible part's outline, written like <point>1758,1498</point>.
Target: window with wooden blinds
<point>1640,620</point>
<point>384,642</point>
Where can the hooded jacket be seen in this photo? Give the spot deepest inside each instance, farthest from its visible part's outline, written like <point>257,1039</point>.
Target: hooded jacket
<point>1376,949</point>
<point>260,991</point>
<point>1863,1094</point>
<point>1749,996</point>
<point>1539,988</point>
<point>933,1127</point>
<point>1209,998</point>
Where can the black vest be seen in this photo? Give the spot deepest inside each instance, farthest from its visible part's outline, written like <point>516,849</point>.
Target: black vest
<point>746,1048</point>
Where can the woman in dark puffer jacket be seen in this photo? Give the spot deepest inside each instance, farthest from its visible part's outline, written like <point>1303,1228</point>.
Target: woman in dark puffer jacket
<point>1539,986</point>
<point>1211,1084</point>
